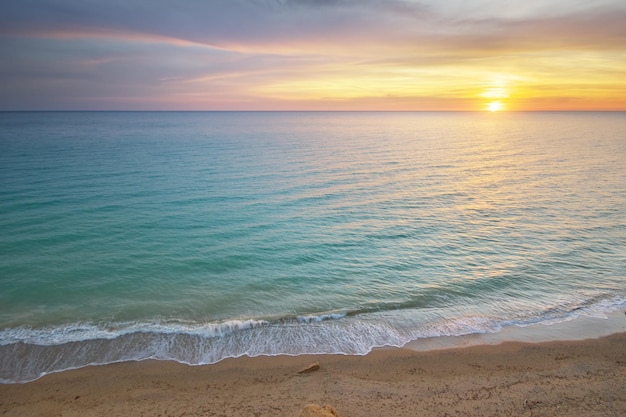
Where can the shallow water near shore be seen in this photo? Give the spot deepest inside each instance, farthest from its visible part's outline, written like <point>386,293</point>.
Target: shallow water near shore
<point>201,236</point>
<point>581,328</point>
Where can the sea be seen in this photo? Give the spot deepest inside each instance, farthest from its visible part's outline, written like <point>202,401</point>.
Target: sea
<point>199,236</point>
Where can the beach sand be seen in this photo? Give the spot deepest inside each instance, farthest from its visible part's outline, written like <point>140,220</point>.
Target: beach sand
<point>580,378</point>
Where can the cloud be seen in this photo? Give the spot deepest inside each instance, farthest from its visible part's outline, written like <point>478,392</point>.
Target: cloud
<point>255,53</point>
<point>223,23</point>
<point>292,25</point>
<point>601,29</point>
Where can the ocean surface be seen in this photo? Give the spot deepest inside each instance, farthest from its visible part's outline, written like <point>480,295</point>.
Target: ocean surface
<point>200,236</point>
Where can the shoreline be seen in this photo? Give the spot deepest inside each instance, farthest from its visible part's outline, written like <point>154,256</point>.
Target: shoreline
<point>577,329</point>
<point>61,358</point>
<point>573,329</point>
<point>581,377</point>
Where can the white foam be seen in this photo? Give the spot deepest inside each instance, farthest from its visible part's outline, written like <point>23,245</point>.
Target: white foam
<point>27,354</point>
<point>80,332</point>
<point>322,317</point>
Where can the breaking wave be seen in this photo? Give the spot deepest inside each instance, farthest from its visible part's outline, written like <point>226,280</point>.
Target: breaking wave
<point>27,354</point>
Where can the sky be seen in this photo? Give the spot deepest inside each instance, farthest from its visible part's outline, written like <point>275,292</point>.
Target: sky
<point>454,55</point>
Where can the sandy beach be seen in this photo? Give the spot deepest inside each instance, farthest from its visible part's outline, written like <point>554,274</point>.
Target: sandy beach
<point>579,378</point>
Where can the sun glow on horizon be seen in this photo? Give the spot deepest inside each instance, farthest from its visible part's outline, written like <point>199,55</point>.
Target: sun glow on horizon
<point>495,106</point>
<point>497,89</point>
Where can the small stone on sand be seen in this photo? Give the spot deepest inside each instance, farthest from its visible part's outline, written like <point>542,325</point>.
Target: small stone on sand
<point>315,366</point>
<point>314,410</point>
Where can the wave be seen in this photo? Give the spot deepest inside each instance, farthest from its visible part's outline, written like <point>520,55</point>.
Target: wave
<point>80,332</point>
<point>27,354</point>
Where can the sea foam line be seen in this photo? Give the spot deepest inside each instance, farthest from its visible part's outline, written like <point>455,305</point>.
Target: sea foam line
<point>83,331</point>
<point>27,354</point>
<point>79,332</point>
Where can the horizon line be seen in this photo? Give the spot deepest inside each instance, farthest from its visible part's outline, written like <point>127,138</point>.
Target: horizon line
<point>305,111</point>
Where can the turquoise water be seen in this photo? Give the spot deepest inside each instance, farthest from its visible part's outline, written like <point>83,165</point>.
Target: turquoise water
<point>201,236</point>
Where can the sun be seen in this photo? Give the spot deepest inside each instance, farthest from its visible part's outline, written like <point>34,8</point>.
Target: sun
<point>495,106</point>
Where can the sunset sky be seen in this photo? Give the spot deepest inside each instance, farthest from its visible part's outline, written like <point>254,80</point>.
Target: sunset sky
<point>313,55</point>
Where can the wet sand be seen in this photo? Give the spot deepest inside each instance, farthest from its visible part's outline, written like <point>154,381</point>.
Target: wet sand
<point>580,378</point>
